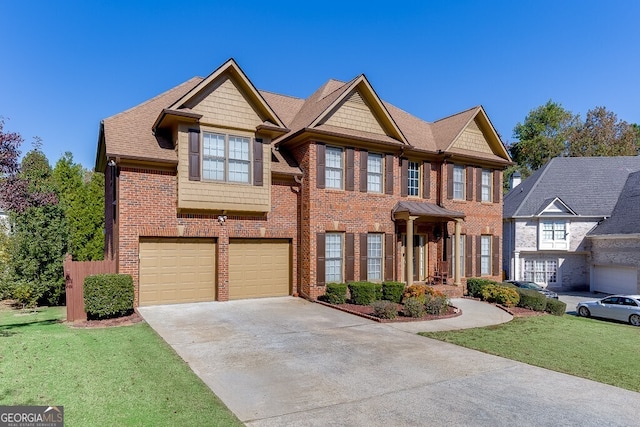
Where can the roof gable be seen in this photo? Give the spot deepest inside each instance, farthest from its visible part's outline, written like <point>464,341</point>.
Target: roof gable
<point>555,207</point>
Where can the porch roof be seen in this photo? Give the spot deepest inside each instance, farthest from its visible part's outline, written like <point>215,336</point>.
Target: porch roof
<point>423,209</point>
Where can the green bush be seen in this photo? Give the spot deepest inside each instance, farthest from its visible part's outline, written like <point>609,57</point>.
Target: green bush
<point>392,291</point>
<point>108,295</point>
<point>413,307</point>
<point>416,291</point>
<point>555,307</point>
<point>436,304</point>
<point>476,284</point>
<point>26,293</point>
<point>533,300</point>
<point>336,293</point>
<point>385,309</point>
<point>364,293</point>
<point>500,295</point>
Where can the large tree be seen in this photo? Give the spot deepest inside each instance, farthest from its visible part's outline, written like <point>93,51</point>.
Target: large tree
<point>602,134</point>
<point>542,136</point>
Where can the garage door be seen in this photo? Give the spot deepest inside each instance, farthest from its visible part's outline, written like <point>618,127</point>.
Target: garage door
<point>177,271</point>
<point>259,268</point>
<point>615,279</point>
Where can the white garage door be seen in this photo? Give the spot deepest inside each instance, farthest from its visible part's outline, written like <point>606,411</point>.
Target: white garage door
<point>615,279</point>
<point>259,268</point>
<point>177,271</point>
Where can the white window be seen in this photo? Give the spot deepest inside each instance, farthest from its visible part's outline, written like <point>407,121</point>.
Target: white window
<point>541,271</point>
<point>485,255</point>
<point>486,185</point>
<point>459,184</point>
<point>460,258</point>
<point>225,158</point>
<point>374,173</point>
<point>553,234</point>
<point>334,168</point>
<point>374,257</point>
<point>333,258</point>
<point>413,179</point>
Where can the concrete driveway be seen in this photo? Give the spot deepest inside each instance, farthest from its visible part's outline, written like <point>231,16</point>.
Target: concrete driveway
<point>286,361</point>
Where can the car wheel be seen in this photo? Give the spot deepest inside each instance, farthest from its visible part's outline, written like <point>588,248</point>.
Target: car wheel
<point>584,312</point>
<point>634,319</point>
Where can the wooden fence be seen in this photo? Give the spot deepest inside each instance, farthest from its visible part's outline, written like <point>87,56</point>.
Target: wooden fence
<point>74,274</point>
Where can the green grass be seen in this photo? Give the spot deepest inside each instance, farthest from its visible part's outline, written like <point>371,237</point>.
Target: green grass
<point>602,351</point>
<point>114,376</point>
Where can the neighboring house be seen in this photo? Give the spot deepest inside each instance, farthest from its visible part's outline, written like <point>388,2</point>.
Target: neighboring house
<point>216,190</point>
<point>615,244</point>
<point>547,218</point>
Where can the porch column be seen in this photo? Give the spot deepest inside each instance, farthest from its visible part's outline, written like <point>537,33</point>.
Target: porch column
<point>456,245</point>
<point>408,250</point>
<point>515,270</point>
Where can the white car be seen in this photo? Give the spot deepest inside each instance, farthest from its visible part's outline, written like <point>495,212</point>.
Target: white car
<point>625,308</point>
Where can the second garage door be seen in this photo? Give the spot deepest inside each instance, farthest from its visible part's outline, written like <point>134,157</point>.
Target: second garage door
<point>259,268</point>
<point>615,279</point>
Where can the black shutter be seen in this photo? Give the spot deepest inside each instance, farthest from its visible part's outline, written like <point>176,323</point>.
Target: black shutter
<point>364,160</point>
<point>404,177</point>
<point>320,259</point>
<point>495,248</point>
<point>363,256</point>
<point>468,171</point>
<point>450,181</point>
<point>478,256</point>
<point>194,155</point>
<point>388,182</point>
<point>478,184</point>
<point>497,186</point>
<point>349,184</point>
<point>350,257</point>
<point>388,256</point>
<point>426,180</point>
<point>468,256</point>
<point>320,165</point>
<point>257,162</point>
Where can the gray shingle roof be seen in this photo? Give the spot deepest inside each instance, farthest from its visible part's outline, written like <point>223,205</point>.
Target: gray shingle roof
<point>590,186</point>
<point>625,218</point>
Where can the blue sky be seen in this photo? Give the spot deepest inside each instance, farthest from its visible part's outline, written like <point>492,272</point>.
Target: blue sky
<point>67,65</point>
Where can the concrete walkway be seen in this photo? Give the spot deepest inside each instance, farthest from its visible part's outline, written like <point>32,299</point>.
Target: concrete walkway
<point>286,361</point>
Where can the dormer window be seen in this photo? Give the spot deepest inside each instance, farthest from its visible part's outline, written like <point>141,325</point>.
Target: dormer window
<point>225,158</point>
<point>553,234</point>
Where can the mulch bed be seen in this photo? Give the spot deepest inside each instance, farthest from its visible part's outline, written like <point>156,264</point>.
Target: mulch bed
<point>366,311</point>
<point>108,323</point>
<point>522,312</point>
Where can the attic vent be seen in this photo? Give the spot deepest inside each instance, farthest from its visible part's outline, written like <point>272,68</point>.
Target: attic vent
<point>357,98</point>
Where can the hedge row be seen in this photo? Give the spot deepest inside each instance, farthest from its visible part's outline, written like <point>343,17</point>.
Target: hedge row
<point>108,295</point>
<point>506,293</point>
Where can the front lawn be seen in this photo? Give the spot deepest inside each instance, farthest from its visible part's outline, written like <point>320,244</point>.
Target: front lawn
<point>114,376</point>
<point>601,351</point>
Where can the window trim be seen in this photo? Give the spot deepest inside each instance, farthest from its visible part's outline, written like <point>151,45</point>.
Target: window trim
<point>328,259</point>
<point>553,243</point>
<point>328,168</point>
<point>380,174</point>
<point>486,253</point>
<point>462,183</point>
<point>546,272</point>
<point>488,187</point>
<point>416,188</point>
<point>226,159</point>
<point>380,258</point>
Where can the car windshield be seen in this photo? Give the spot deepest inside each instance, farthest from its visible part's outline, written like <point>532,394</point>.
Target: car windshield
<point>530,285</point>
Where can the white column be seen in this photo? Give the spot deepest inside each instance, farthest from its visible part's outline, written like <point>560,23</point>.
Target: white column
<point>457,262</point>
<point>409,250</point>
<point>515,272</point>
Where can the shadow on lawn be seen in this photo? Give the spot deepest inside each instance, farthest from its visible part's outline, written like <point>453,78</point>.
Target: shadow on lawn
<point>9,330</point>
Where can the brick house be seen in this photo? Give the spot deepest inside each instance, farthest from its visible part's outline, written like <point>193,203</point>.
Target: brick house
<point>215,190</point>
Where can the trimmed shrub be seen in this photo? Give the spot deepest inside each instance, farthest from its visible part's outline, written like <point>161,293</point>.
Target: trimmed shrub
<point>27,294</point>
<point>413,307</point>
<point>392,291</point>
<point>336,293</point>
<point>533,300</point>
<point>108,295</point>
<point>437,304</point>
<point>475,286</point>
<point>364,293</point>
<point>416,291</point>
<point>555,307</point>
<point>500,295</point>
<point>385,309</point>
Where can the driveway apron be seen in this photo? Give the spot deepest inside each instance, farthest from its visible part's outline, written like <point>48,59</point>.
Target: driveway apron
<point>287,361</point>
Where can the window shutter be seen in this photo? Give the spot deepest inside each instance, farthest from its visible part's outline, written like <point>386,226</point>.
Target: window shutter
<point>426,180</point>
<point>388,182</point>
<point>497,186</point>
<point>257,162</point>
<point>388,256</point>
<point>349,184</point>
<point>495,248</point>
<point>468,171</point>
<point>320,258</point>
<point>404,177</point>
<point>478,184</point>
<point>350,257</point>
<point>363,256</point>
<point>478,256</point>
<point>468,246</point>
<point>450,181</point>
<point>194,155</point>
<point>364,159</point>
<point>320,165</point>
